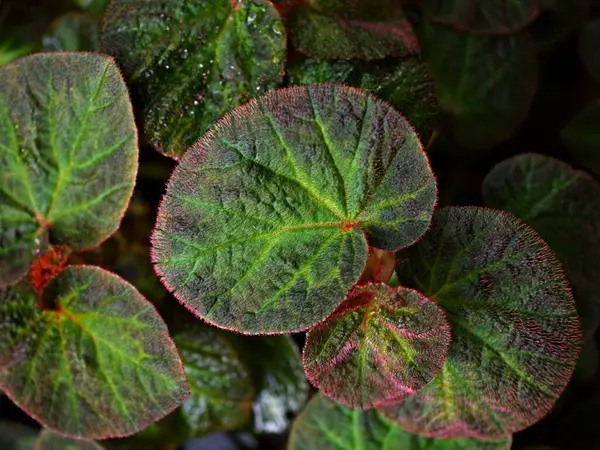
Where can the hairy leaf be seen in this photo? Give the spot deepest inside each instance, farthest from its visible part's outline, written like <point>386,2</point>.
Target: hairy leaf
<point>406,84</point>
<point>73,31</point>
<point>515,330</point>
<point>342,29</point>
<point>563,206</point>
<point>383,343</point>
<point>48,440</point>
<point>65,124</point>
<point>96,362</point>
<point>264,225</point>
<point>191,61</point>
<point>483,16</point>
<point>582,137</point>
<point>326,425</point>
<point>589,43</point>
<point>469,71</point>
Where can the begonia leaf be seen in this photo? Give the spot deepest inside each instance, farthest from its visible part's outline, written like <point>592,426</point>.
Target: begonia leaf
<point>383,343</point>
<point>264,225</point>
<point>73,31</point>
<point>65,124</point>
<point>89,357</point>
<point>191,61</point>
<point>563,205</point>
<point>582,137</point>
<point>48,440</point>
<point>515,331</point>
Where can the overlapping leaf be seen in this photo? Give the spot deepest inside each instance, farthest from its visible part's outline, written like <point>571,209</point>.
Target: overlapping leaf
<point>343,29</point>
<point>96,362</point>
<point>469,71</point>
<point>191,61</point>
<point>73,31</point>
<point>563,206</point>
<point>515,330</point>
<point>582,137</point>
<point>16,436</point>
<point>406,84</point>
<point>65,124</point>
<point>48,440</point>
<point>382,344</point>
<point>589,42</point>
<point>265,222</point>
<point>326,425</point>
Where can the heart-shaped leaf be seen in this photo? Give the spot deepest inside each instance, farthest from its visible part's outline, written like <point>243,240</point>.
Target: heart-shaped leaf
<point>96,362</point>
<point>221,390</point>
<point>191,61</point>
<point>406,84</point>
<point>582,137</point>
<point>469,71</point>
<point>73,31</point>
<point>515,330</point>
<point>48,440</point>
<point>343,29</point>
<point>65,124</point>
<point>589,43</point>
<point>326,425</point>
<point>483,16</point>
<point>264,225</point>
<point>383,343</point>
<point>563,206</point>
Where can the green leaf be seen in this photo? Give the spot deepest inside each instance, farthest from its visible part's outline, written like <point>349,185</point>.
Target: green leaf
<point>73,31</point>
<point>97,362</point>
<point>16,436</point>
<point>221,389</point>
<point>382,344</point>
<point>52,441</point>
<point>582,137</point>
<point>264,225</point>
<point>343,29</point>
<point>406,84</point>
<point>281,388</point>
<point>483,16</point>
<point>65,124</point>
<point>96,7</point>
<point>191,61</point>
<point>563,205</point>
<point>515,330</point>
<point>469,71</point>
<point>589,42</point>
<point>11,49</point>
<point>326,425</point>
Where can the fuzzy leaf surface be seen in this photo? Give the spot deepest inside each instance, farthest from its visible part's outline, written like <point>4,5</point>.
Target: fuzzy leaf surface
<point>344,29</point>
<point>589,43</point>
<point>264,225</point>
<point>406,84</point>
<point>515,330</point>
<point>73,31</point>
<point>189,62</point>
<point>469,70</point>
<point>582,137</point>
<point>326,425</point>
<point>383,343</point>
<point>65,124</point>
<point>99,364</point>
<point>563,205</point>
<point>48,440</point>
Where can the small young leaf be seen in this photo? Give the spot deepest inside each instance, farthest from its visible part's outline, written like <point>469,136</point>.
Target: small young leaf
<point>191,61</point>
<point>344,29</point>
<point>582,137</point>
<point>221,390</point>
<point>48,440</point>
<point>469,71</point>
<point>264,225</point>
<point>406,84</point>
<point>589,43</point>
<point>326,425</point>
<point>515,330</point>
<point>563,206</point>
<point>382,344</point>
<point>483,16</point>
<point>73,31</point>
<point>97,363</point>
<point>65,124</point>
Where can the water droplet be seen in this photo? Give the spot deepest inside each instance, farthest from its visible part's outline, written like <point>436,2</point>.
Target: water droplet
<point>195,102</point>
<point>258,88</point>
<point>251,17</point>
<point>166,66</point>
<point>201,65</point>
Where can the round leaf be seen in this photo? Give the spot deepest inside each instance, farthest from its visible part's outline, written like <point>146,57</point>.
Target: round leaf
<point>406,84</point>
<point>264,225</point>
<point>483,16</point>
<point>469,71</point>
<point>99,364</point>
<point>65,124</point>
<point>343,29</point>
<point>383,343</point>
<point>73,31</point>
<point>582,137</point>
<point>563,206</point>
<point>589,43</point>
<point>326,425</point>
<point>48,440</point>
<point>191,61</point>
<point>515,330</point>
